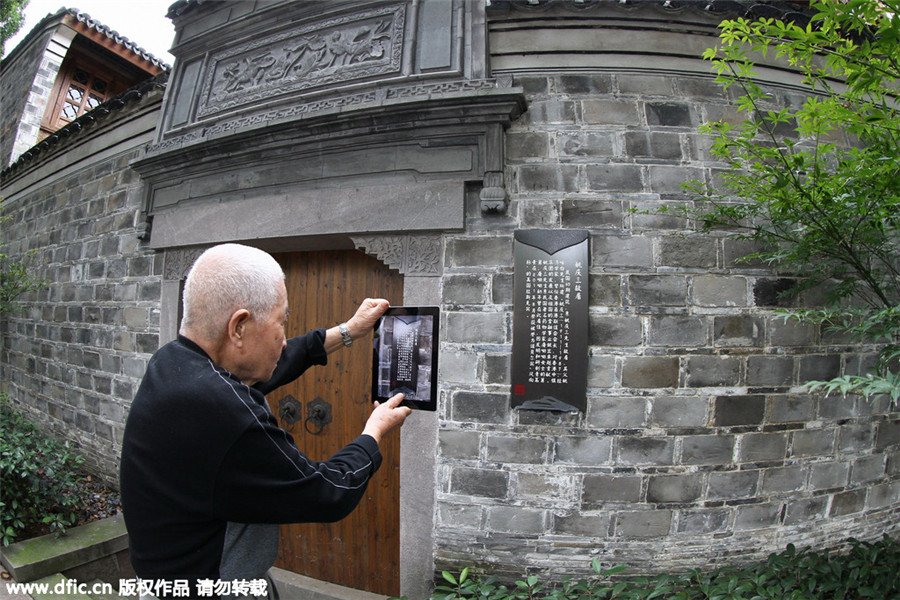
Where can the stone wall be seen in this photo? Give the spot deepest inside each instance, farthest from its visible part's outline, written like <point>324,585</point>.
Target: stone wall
<point>698,444</point>
<point>74,356</point>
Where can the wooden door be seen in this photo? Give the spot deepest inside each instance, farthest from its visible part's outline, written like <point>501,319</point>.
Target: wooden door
<point>363,550</point>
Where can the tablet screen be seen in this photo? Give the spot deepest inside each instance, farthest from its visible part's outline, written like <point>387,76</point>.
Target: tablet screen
<point>405,356</point>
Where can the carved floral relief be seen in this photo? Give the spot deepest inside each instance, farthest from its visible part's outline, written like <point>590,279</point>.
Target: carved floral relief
<point>333,51</point>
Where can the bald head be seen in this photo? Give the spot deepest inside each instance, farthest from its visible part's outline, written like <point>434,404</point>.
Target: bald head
<point>225,279</point>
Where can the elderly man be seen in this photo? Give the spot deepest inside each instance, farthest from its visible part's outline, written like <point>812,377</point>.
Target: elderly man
<point>206,473</point>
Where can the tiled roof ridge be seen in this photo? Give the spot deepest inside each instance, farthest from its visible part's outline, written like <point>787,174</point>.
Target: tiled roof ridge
<point>114,35</point>
<point>101,112</point>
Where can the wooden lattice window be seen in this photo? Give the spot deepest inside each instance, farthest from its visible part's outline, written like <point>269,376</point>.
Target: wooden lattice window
<point>86,92</point>
<point>80,88</point>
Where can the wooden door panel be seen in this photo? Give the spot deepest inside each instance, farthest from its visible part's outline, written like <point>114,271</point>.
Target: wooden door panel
<point>363,550</point>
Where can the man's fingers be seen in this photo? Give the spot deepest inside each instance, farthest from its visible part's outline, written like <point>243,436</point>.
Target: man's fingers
<point>395,400</point>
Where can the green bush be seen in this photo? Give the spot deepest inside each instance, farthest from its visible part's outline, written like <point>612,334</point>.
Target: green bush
<point>39,484</point>
<point>864,570</point>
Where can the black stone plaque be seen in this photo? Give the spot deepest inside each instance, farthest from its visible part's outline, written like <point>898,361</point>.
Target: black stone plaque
<point>405,356</point>
<point>550,320</point>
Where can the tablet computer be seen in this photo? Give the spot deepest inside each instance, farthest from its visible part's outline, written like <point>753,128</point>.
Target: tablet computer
<point>405,356</point>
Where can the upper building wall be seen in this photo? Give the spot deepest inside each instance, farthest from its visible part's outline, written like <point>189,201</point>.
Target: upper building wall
<point>309,96</point>
<point>65,67</point>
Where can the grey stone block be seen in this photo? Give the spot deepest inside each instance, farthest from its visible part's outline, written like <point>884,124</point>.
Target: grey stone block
<point>615,330</point>
<point>650,372</point>
<point>583,144</point>
<point>479,482</point>
<point>621,251</point>
<point>547,178</point>
<point>605,290</point>
<point>603,488</point>
<point>888,434</point>
<point>515,519</point>
<point>592,526</point>
<point>783,479</point>
<point>472,327</point>
<point>733,485</point>
<point>480,252</point>
<point>601,371</point>
<point>790,408</point>
<point>616,411</point>
<point>644,84</point>
<point>674,488</point>
<point>497,369</point>
<point>679,411</point>
<point>583,450</point>
<point>528,144</point>
<point>827,476</point>
<point>644,523</point>
<point>687,252</point>
<point>656,145</point>
<point>790,332</point>
<point>773,292</point>
<point>460,444</point>
<point>460,516</point>
<point>813,442</point>
<point>707,450</point>
<point>459,366</point>
<point>739,410</point>
<point>820,367</point>
<point>550,112</point>
<point>613,177</point>
<point>867,469</point>
<point>678,331</point>
<point>479,407</point>
<point>718,290</point>
<point>502,289</point>
<point>760,447</point>
<point>641,451</point>
<point>610,112</point>
<point>713,371</point>
<point>703,521</point>
<point>669,114</point>
<point>464,289</point>
<point>770,370</point>
<point>657,290</point>
<point>671,179</point>
<point>739,330</point>
<point>594,214</point>
<point>546,486</point>
<point>515,449</point>
<point>540,212</point>
<point>593,83</point>
<point>805,510</point>
<point>847,503</point>
<point>757,516</point>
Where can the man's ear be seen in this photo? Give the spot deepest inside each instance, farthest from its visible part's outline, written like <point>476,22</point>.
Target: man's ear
<point>237,326</point>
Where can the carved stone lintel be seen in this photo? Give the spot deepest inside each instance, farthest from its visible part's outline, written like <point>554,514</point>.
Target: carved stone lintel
<point>410,254</point>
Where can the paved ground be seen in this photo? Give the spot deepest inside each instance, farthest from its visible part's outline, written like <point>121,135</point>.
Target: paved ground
<point>4,593</point>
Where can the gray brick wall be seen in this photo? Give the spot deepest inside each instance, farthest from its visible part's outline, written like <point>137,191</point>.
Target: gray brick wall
<point>75,356</point>
<point>698,442</point>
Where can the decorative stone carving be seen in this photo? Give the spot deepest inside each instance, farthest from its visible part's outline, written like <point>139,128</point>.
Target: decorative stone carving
<point>179,261</point>
<point>360,45</point>
<point>493,194</point>
<point>409,254</point>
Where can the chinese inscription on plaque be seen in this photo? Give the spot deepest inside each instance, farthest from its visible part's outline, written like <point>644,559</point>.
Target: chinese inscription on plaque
<point>550,320</point>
